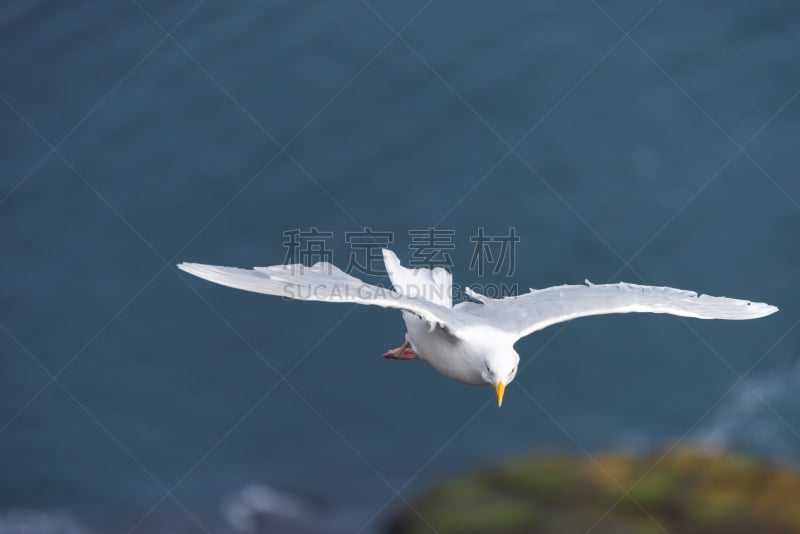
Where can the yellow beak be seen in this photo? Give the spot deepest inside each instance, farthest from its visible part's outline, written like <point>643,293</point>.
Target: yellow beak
<point>500,388</point>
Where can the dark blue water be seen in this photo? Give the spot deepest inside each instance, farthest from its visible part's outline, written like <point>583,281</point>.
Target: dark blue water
<point>676,147</point>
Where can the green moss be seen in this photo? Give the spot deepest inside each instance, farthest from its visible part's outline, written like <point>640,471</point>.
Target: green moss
<point>713,517</point>
<point>463,490</point>
<point>503,516</point>
<point>657,491</point>
<point>547,480</point>
<point>686,490</point>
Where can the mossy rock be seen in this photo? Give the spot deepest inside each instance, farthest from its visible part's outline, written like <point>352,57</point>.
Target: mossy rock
<point>687,490</point>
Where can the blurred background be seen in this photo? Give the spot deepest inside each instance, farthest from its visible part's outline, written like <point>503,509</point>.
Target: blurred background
<point>650,142</point>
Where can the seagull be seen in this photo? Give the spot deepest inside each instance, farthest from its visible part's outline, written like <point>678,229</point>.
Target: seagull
<point>473,341</point>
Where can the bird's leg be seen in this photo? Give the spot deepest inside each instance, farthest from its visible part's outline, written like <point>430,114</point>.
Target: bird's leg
<point>403,352</point>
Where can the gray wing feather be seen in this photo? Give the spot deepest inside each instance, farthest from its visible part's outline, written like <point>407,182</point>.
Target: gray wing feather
<point>322,282</point>
<point>539,309</point>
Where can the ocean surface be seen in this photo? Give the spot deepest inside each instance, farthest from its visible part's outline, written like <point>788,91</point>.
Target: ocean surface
<point>649,142</point>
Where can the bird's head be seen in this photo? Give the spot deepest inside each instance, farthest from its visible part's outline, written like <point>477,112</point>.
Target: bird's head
<point>499,369</point>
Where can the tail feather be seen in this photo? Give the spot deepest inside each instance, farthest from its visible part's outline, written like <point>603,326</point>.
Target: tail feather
<point>434,285</point>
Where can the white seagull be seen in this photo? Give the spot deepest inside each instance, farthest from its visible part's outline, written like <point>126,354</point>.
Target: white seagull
<point>471,342</point>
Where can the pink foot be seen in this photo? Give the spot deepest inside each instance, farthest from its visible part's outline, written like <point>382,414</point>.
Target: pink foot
<point>401,353</point>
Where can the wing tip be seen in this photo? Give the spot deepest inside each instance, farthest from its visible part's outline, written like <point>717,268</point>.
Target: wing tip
<point>212,273</point>
<point>189,267</point>
<point>755,310</point>
<point>390,261</point>
<point>763,309</point>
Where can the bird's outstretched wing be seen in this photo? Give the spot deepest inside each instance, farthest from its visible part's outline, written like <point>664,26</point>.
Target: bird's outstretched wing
<point>323,282</point>
<point>525,314</point>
